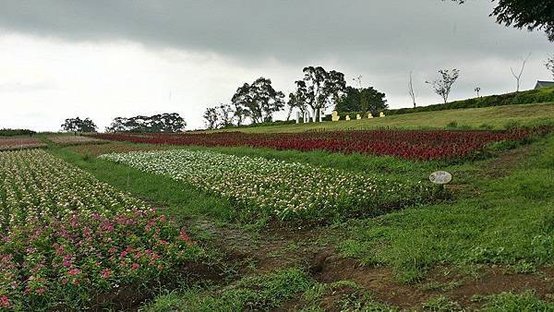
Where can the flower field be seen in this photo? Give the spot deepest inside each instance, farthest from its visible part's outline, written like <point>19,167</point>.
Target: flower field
<point>67,239</point>
<point>74,140</point>
<point>408,144</point>
<point>263,187</point>
<point>16,143</point>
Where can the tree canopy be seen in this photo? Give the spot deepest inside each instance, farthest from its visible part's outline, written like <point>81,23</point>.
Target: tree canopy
<point>530,14</point>
<point>362,100</point>
<point>320,88</point>
<point>258,100</point>
<point>79,125</point>
<point>167,122</point>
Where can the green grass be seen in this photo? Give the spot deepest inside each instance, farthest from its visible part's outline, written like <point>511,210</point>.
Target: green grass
<point>291,287</point>
<point>260,293</point>
<point>498,117</point>
<point>508,220</point>
<point>509,302</point>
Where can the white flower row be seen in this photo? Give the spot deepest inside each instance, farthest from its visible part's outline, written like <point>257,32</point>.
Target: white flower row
<point>274,186</point>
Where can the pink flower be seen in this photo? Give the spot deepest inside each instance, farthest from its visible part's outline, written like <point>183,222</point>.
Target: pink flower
<point>67,263</point>
<point>74,271</point>
<point>106,273</point>
<point>40,290</point>
<point>184,237</point>
<point>4,302</point>
<point>135,266</point>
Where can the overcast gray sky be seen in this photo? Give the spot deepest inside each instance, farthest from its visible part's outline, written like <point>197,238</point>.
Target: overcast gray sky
<point>107,58</point>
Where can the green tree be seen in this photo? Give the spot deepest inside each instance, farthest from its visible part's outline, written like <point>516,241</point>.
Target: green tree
<point>258,100</point>
<point>321,89</point>
<point>362,100</point>
<point>211,118</point>
<point>167,122</point>
<point>530,14</point>
<point>296,100</point>
<point>79,125</point>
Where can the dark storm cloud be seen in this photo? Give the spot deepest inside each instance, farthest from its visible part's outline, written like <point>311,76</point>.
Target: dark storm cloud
<point>381,39</point>
<point>291,30</point>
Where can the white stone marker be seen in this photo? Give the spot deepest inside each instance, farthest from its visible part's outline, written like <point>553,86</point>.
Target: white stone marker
<point>335,116</point>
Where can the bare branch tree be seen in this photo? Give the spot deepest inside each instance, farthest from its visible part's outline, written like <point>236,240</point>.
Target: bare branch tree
<point>518,76</point>
<point>443,85</point>
<point>477,90</point>
<point>411,90</point>
<point>550,64</point>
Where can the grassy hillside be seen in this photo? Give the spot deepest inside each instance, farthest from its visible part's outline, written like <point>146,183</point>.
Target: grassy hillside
<point>535,96</point>
<point>498,117</point>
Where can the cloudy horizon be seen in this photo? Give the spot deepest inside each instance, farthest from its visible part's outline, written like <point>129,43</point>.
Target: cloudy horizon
<point>105,59</point>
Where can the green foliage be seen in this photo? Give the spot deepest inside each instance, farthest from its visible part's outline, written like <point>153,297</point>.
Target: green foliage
<point>512,220</point>
<point>530,14</point>
<point>441,304</point>
<point>526,97</point>
<point>258,100</point>
<point>364,100</point>
<point>259,293</point>
<point>166,122</point>
<point>79,125</point>
<point>510,302</point>
<point>16,132</point>
<point>319,87</point>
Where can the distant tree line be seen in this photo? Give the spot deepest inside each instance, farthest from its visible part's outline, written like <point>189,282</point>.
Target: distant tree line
<point>167,122</point>
<point>16,132</point>
<point>317,91</point>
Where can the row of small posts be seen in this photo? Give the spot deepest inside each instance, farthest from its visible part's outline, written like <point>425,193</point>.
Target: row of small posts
<point>335,116</point>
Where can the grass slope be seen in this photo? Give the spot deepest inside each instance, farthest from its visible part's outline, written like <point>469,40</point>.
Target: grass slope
<point>502,216</point>
<point>505,220</point>
<point>499,117</point>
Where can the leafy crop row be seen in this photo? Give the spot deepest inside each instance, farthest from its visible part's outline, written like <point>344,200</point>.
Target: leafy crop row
<point>409,144</point>
<point>66,239</point>
<point>263,187</point>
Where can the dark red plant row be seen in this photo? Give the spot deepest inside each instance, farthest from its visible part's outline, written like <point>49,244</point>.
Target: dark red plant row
<point>409,144</point>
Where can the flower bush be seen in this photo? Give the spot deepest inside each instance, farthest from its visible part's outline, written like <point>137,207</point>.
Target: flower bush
<point>16,143</point>
<point>74,140</point>
<point>66,238</point>
<point>265,187</point>
<point>408,144</point>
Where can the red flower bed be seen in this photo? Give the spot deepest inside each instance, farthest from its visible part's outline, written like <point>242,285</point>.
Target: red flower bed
<point>409,144</point>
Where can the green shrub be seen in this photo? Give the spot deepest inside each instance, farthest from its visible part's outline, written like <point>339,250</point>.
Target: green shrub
<point>525,97</point>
